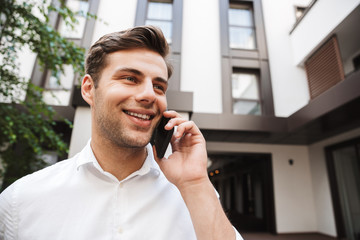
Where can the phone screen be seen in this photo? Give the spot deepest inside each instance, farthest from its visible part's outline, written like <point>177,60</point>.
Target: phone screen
<point>161,137</point>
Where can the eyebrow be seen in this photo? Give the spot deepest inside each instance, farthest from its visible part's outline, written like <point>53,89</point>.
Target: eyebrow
<point>139,73</point>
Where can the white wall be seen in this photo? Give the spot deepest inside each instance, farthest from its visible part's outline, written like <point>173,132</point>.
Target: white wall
<point>294,201</point>
<point>318,24</point>
<point>200,55</point>
<point>289,84</point>
<point>322,195</point>
<point>81,132</point>
<point>115,16</point>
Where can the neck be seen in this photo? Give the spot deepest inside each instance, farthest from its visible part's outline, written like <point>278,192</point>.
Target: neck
<point>119,161</point>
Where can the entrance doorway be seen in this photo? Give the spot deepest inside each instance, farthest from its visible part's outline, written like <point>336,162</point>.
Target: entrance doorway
<point>245,185</point>
<point>343,162</point>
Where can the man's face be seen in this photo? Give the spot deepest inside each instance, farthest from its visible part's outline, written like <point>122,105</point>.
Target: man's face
<point>130,97</point>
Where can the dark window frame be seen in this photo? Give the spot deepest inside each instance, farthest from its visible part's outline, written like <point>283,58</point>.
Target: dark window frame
<point>246,59</point>
<point>243,5</point>
<point>175,46</point>
<point>257,75</point>
<point>41,77</point>
<point>161,20</point>
<point>356,62</point>
<point>334,188</point>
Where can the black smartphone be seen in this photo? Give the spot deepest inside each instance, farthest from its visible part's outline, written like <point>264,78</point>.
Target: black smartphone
<point>161,137</point>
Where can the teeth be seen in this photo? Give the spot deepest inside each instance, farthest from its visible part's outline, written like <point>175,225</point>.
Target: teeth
<point>142,116</point>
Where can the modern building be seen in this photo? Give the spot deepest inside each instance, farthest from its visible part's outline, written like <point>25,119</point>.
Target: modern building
<point>275,88</point>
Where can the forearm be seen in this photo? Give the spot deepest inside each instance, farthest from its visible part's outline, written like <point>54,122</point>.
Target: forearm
<point>186,168</point>
<point>207,215</point>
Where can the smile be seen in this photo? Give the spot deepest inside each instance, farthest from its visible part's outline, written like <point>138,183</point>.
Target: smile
<point>139,115</point>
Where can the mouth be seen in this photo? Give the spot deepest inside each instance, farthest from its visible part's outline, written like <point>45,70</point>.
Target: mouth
<point>140,115</point>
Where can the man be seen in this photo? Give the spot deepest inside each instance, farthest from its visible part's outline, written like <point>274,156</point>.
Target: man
<point>115,188</point>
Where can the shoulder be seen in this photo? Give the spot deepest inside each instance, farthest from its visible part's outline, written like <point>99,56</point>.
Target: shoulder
<point>6,217</point>
<point>43,178</point>
<point>47,174</point>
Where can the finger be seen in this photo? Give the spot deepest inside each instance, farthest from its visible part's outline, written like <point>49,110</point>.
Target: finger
<point>174,122</point>
<point>187,127</point>
<point>172,114</point>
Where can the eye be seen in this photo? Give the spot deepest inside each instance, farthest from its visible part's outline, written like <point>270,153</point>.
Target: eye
<point>160,88</point>
<point>130,78</point>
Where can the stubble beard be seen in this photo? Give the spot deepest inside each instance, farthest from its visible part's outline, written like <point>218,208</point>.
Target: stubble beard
<point>114,130</point>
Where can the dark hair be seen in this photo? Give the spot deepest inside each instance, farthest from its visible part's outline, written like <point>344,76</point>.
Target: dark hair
<point>148,37</point>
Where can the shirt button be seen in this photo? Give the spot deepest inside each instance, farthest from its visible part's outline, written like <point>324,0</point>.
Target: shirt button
<point>121,185</point>
<point>120,230</point>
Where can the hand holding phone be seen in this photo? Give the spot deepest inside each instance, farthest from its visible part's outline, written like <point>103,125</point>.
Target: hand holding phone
<point>161,137</point>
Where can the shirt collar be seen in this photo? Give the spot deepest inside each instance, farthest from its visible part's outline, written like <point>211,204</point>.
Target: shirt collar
<point>86,156</point>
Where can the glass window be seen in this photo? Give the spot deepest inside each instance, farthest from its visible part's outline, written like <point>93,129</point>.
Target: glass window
<point>242,38</point>
<point>80,7</point>
<point>245,86</point>
<point>65,81</point>
<point>58,98</point>
<point>240,17</point>
<point>246,108</point>
<point>245,93</point>
<point>159,10</point>
<point>241,27</point>
<point>160,14</point>
<point>58,92</point>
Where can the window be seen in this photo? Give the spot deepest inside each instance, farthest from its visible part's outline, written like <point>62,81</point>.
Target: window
<point>246,77</point>
<point>57,92</point>
<point>80,7</point>
<point>241,27</point>
<point>356,62</point>
<point>245,92</point>
<point>160,14</point>
<point>167,15</point>
<point>324,68</point>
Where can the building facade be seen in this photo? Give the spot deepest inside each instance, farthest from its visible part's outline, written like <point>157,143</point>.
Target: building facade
<point>275,88</point>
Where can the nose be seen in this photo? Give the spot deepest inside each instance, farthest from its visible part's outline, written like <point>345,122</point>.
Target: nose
<point>146,94</point>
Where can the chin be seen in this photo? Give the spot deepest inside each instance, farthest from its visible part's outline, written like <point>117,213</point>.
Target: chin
<point>133,142</point>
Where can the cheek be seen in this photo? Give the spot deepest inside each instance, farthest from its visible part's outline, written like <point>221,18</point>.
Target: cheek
<point>162,103</point>
<point>117,94</point>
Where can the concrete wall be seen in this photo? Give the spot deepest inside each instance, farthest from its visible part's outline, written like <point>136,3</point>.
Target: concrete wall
<point>200,56</point>
<point>289,84</point>
<point>293,193</point>
<point>322,195</point>
<point>81,132</point>
<point>313,30</point>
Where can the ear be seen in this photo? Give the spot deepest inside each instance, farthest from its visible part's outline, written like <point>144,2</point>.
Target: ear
<point>87,89</point>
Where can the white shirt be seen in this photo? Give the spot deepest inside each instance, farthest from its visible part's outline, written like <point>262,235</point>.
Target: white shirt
<point>77,199</point>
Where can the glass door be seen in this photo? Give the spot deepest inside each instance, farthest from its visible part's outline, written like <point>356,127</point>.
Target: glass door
<point>244,183</point>
<point>346,167</point>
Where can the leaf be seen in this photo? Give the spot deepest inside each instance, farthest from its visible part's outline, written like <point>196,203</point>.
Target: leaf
<point>28,127</point>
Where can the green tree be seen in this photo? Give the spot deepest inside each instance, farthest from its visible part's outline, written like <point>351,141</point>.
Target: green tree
<point>27,124</point>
